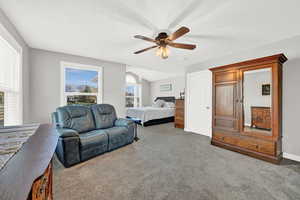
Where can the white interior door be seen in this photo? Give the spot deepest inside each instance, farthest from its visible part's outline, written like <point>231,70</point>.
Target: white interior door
<point>199,102</point>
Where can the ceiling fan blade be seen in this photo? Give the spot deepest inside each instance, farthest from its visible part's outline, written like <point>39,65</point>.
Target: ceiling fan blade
<point>192,7</point>
<point>208,37</point>
<point>123,12</point>
<point>180,32</point>
<point>143,50</point>
<point>182,46</point>
<point>144,38</point>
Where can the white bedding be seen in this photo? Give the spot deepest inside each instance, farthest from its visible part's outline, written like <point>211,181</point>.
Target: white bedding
<point>149,113</point>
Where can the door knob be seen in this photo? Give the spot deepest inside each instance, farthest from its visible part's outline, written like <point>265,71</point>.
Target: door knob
<point>207,107</point>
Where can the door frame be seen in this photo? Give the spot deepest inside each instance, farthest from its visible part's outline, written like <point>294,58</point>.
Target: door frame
<point>188,99</point>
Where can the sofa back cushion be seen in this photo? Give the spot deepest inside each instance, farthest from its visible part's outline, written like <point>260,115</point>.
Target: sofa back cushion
<point>76,117</point>
<point>105,115</point>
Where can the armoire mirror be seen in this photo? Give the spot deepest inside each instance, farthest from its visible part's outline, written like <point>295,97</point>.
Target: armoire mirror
<point>257,101</point>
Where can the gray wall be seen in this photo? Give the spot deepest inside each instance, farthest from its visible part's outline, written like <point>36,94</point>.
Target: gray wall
<point>291,81</point>
<point>178,85</point>
<point>45,82</point>
<point>291,106</point>
<point>146,93</point>
<point>25,64</point>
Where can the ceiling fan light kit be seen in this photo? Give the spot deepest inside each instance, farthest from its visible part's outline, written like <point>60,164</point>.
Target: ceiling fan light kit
<point>163,40</point>
<point>163,52</point>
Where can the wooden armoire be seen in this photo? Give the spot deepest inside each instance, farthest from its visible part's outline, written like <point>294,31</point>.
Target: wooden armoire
<point>228,110</point>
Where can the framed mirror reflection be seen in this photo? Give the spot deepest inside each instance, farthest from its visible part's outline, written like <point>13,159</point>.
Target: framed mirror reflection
<point>257,101</point>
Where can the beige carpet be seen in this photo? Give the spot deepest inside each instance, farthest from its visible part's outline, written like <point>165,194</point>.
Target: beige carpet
<point>170,164</point>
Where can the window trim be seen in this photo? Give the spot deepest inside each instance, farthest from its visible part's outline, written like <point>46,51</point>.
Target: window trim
<point>134,97</point>
<point>132,76</point>
<point>12,42</point>
<point>79,66</point>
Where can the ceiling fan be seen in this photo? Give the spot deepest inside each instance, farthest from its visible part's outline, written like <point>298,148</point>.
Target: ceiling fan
<point>163,40</point>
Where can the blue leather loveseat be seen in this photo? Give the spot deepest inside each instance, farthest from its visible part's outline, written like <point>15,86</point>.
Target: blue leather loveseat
<point>87,131</point>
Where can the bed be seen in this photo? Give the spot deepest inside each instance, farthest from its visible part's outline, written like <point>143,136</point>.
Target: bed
<point>147,116</point>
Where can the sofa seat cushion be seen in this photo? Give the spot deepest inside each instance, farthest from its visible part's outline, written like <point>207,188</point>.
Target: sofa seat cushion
<point>95,138</point>
<point>117,137</point>
<point>78,118</point>
<point>105,115</point>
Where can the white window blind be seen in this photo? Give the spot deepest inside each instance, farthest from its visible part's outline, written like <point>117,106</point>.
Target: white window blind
<point>10,77</point>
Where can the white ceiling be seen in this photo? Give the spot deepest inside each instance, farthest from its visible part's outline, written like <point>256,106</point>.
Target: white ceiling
<point>105,29</point>
<point>150,75</point>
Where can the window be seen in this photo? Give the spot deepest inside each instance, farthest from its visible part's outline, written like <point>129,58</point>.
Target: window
<point>132,92</point>
<point>130,79</point>
<point>82,84</point>
<point>10,84</point>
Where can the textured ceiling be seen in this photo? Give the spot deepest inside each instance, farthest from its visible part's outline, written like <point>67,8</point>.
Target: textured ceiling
<point>105,29</point>
<point>150,75</point>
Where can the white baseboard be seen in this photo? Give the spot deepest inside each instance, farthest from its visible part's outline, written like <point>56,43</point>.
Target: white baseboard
<point>187,130</point>
<point>291,156</point>
<point>197,132</point>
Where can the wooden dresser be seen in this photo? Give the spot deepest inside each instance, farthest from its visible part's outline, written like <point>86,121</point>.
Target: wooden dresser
<point>228,116</point>
<point>179,113</point>
<point>28,174</point>
<point>42,187</point>
<point>261,117</point>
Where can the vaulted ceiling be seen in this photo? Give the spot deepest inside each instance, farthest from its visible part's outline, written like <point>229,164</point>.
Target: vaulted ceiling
<point>105,29</point>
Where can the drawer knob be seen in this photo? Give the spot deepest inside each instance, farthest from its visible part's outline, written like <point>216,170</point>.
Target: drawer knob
<point>43,185</point>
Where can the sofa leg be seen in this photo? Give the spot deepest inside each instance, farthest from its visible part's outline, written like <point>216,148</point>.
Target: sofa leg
<point>136,138</point>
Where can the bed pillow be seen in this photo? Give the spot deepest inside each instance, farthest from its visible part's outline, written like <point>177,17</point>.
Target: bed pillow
<point>158,103</point>
<point>169,105</point>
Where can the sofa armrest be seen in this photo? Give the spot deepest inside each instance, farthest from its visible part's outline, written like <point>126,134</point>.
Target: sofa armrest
<point>67,149</point>
<point>54,119</point>
<point>66,132</point>
<point>130,125</point>
<point>123,122</point>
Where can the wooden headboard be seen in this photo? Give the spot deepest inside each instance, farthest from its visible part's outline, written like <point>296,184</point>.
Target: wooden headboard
<point>167,99</point>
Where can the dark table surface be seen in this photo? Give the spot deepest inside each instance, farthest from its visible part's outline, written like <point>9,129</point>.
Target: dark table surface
<point>29,163</point>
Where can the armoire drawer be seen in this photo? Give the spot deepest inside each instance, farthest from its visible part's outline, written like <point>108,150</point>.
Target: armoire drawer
<point>265,147</point>
<point>259,146</point>
<point>225,138</point>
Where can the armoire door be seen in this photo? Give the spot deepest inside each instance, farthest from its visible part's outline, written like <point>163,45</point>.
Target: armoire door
<point>225,99</point>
